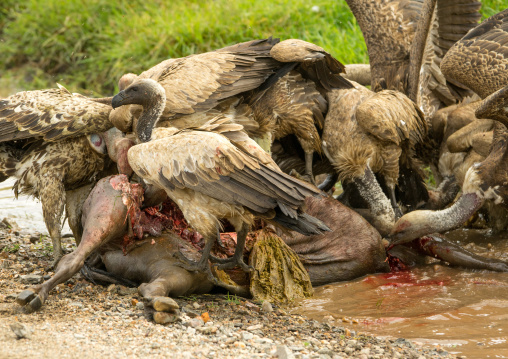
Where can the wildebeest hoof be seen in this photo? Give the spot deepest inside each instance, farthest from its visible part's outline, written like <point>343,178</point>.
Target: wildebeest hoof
<point>25,296</point>
<point>29,300</point>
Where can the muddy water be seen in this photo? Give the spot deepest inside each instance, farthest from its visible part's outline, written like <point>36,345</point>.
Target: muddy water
<point>465,312</point>
<point>25,211</point>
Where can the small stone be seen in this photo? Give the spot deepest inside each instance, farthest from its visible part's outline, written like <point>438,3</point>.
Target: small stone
<point>46,277</point>
<point>34,239</point>
<point>164,304</point>
<point>31,278</point>
<point>325,351</point>
<point>196,305</point>
<point>111,288</point>
<point>140,305</point>
<point>195,322</point>
<point>207,330</point>
<point>79,336</point>
<point>76,304</point>
<point>239,345</point>
<point>20,330</point>
<point>283,352</point>
<point>255,327</point>
<point>164,318</point>
<point>267,307</point>
<point>247,336</point>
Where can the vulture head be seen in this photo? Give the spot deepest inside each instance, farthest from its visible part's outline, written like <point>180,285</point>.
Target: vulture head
<point>122,117</point>
<point>151,96</point>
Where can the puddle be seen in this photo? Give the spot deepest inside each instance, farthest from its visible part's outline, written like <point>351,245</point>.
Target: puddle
<point>465,312</point>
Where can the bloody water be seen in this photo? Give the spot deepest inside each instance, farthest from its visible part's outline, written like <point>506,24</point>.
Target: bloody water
<point>463,311</point>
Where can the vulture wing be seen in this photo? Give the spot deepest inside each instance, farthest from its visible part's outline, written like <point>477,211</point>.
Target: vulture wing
<point>53,115</point>
<point>392,117</point>
<point>480,59</point>
<point>199,82</point>
<point>209,163</point>
<point>389,29</point>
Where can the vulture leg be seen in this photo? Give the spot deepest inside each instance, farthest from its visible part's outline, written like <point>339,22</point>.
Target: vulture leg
<point>201,265</point>
<point>309,177</point>
<point>329,182</point>
<point>237,258</point>
<point>393,201</point>
<point>52,197</point>
<point>379,204</point>
<point>219,242</point>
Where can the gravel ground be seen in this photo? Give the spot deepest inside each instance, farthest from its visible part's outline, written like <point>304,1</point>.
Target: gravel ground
<point>83,320</point>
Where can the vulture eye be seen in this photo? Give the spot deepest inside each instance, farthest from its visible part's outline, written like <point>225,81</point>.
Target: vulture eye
<point>134,89</point>
<point>97,143</point>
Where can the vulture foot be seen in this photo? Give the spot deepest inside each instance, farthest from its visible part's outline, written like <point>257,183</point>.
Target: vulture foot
<point>201,265</point>
<point>231,263</point>
<point>237,258</point>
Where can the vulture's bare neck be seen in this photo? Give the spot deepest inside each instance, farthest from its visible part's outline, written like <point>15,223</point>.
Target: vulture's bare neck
<point>152,111</point>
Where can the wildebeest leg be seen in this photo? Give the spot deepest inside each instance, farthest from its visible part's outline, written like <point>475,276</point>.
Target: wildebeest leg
<point>438,247</point>
<point>74,208</point>
<point>173,281</point>
<point>104,218</point>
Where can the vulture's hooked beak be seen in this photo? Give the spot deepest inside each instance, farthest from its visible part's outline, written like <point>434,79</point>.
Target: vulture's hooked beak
<point>117,101</point>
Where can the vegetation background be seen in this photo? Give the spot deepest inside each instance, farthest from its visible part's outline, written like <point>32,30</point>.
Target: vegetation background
<point>86,45</point>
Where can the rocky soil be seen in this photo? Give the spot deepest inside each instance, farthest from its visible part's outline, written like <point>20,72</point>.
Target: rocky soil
<point>85,320</point>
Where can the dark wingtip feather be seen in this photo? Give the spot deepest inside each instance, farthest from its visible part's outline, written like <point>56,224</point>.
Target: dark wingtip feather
<point>304,224</point>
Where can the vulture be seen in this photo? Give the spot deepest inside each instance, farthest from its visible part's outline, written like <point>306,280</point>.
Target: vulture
<point>52,141</point>
<point>212,172</point>
<point>277,88</point>
<point>368,134</point>
<point>396,36</point>
<point>480,54</point>
<point>403,38</point>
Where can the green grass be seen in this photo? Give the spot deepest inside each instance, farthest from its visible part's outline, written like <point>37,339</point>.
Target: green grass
<point>88,45</point>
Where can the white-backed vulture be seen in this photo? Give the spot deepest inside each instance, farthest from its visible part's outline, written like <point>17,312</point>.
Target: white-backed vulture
<point>283,82</point>
<point>213,172</point>
<point>368,133</point>
<point>482,49</point>
<point>395,33</point>
<point>52,141</point>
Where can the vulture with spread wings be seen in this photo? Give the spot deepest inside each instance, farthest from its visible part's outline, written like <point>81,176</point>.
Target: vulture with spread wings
<point>52,141</point>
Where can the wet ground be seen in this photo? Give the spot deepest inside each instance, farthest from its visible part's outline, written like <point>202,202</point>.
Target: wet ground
<point>465,312</point>
<point>25,211</point>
